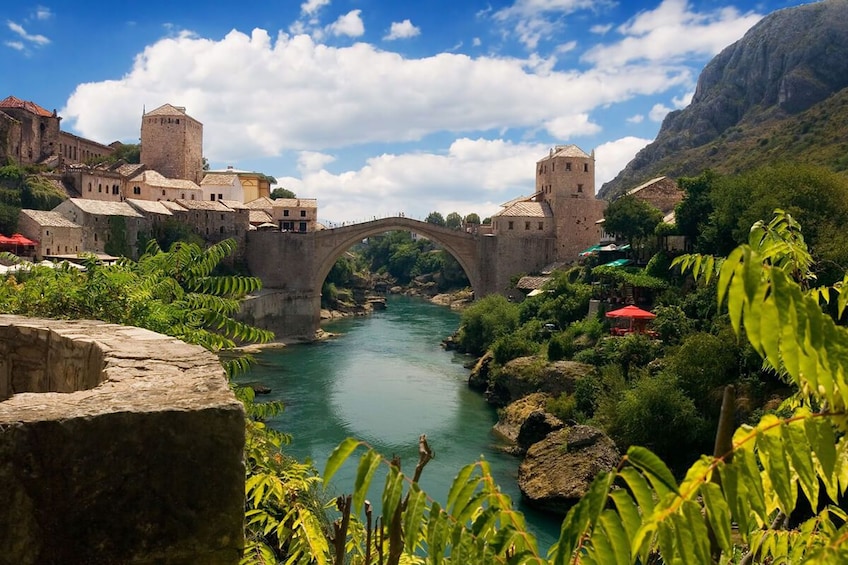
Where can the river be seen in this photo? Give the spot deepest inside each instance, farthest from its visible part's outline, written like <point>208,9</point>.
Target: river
<point>385,380</point>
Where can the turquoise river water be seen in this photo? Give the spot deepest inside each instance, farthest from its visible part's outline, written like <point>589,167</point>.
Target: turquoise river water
<point>385,380</point>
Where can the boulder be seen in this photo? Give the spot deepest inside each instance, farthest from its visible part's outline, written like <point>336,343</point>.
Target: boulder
<point>512,417</point>
<point>558,470</point>
<point>536,427</point>
<point>527,375</point>
<point>478,379</point>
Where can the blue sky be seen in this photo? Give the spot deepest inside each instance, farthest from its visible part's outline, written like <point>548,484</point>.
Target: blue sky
<point>377,107</point>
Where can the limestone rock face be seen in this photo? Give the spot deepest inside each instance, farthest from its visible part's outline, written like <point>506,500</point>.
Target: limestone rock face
<point>478,378</point>
<point>558,470</point>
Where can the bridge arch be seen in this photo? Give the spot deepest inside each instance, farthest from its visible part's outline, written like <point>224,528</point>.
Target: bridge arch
<point>334,242</point>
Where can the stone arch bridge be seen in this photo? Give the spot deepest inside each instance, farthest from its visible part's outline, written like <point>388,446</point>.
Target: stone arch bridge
<point>293,266</point>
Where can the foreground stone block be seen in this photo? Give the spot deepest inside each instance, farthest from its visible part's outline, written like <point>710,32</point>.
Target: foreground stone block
<point>117,445</point>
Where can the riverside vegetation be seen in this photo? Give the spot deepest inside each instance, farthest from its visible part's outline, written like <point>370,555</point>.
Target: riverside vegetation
<point>736,506</point>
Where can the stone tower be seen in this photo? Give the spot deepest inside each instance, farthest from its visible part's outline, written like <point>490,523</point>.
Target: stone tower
<point>172,143</point>
<point>565,179</point>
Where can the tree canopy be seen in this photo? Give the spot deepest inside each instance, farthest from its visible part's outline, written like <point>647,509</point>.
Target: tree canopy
<point>435,218</point>
<point>281,192</point>
<point>631,218</point>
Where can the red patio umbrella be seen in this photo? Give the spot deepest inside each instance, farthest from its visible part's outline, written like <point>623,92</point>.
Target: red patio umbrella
<point>631,312</point>
<point>637,317</point>
<point>5,240</point>
<point>18,239</point>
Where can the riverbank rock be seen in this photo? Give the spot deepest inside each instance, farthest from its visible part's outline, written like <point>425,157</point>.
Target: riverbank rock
<point>557,471</point>
<point>455,300</point>
<point>536,427</point>
<point>478,378</point>
<point>513,416</point>
<point>527,375</point>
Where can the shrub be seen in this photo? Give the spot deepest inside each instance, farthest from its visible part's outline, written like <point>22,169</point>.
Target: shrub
<point>484,321</point>
<point>657,414</point>
<point>564,407</point>
<point>561,346</point>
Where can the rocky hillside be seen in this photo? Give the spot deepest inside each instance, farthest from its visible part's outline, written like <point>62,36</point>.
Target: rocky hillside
<point>774,95</point>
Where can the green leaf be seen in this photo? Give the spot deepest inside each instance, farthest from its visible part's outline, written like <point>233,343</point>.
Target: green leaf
<point>619,541</point>
<point>627,511</point>
<point>800,455</point>
<point>718,513</point>
<point>392,493</point>
<point>638,485</point>
<point>368,464</point>
<point>657,471</point>
<point>459,483</point>
<point>775,462</point>
<point>338,457</point>
<point>412,517</point>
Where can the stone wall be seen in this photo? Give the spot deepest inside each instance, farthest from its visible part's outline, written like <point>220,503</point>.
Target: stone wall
<point>117,445</point>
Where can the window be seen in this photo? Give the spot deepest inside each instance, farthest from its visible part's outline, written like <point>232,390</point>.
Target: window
<point>221,229</point>
<point>585,167</point>
<point>192,196</point>
<point>136,190</point>
<point>212,197</point>
<point>220,196</point>
<point>95,237</point>
<point>182,196</point>
<point>541,225</point>
<point>163,192</point>
<point>99,188</point>
<point>526,225</point>
<point>47,232</point>
<point>285,213</point>
<point>302,226</point>
<point>89,187</point>
<point>510,225</point>
<point>579,188</point>
<point>303,213</point>
<point>568,166</point>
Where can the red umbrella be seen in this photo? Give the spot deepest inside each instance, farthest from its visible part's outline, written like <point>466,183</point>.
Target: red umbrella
<point>5,240</point>
<point>631,312</point>
<point>18,239</point>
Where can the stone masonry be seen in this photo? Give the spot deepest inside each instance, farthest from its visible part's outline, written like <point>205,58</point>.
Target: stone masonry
<point>117,445</point>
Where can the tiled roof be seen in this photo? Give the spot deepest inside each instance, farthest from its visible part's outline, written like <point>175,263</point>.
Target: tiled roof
<point>295,203</point>
<point>566,151</point>
<point>531,283</point>
<point>105,208</point>
<point>167,110</point>
<point>212,205</point>
<point>260,217</point>
<point>149,206</point>
<point>173,206</point>
<point>260,203</point>
<point>646,185</point>
<point>154,178</point>
<point>526,209</point>
<point>234,204</point>
<point>49,219</point>
<point>129,170</point>
<point>12,102</point>
<point>219,179</point>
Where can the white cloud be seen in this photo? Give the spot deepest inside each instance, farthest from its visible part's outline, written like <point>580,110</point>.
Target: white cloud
<point>673,31</point>
<point>349,24</point>
<point>310,161</point>
<point>600,29</point>
<point>16,45</point>
<point>476,42</point>
<point>310,7</point>
<point>636,119</point>
<point>684,100</point>
<point>566,127</point>
<point>36,39</point>
<point>402,30</point>
<point>534,21</point>
<point>315,97</point>
<point>43,13</point>
<point>613,156</point>
<point>658,112</point>
<point>474,175</point>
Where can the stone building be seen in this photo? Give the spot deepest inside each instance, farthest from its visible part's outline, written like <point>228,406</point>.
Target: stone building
<point>254,185</point>
<point>100,182</point>
<point>565,180</point>
<point>524,218</point>
<point>29,132</point>
<point>154,211</point>
<point>289,214</point>
<point>563,209</point>
<point>222,186</point>
<point>212,220</point>
<point>55,234</point>
<point>172,143</point>
<point>99,219</point>
<point>662,193</point>
<point>151,185</point>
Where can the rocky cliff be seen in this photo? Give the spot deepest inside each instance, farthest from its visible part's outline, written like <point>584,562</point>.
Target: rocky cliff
<point>791,61</point>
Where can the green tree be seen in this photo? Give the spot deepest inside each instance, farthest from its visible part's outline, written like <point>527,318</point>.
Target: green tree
<point>693,212</point>
<point>472,218</point>
<point>118,244</point>
<point>453,221</point>
<point>631,218</point>
<point>281,192</point>
<point>435,218</point>
<point>486,320</point>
